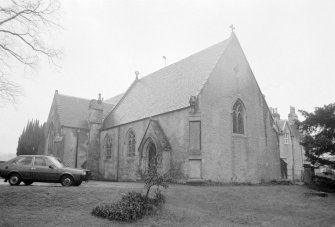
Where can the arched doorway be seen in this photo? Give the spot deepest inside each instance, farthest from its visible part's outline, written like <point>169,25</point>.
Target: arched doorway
<point>152,156</point>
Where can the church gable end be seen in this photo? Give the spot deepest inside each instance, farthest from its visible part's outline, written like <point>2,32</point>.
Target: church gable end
<point>53,140</point>
<point>238,132</point>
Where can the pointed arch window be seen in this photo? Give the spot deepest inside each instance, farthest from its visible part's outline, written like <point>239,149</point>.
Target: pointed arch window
<point>108,146</point>
<point>131,143</point>
<point>238,117</point>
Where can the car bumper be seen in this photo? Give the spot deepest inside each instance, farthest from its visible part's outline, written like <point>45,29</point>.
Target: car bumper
<point>3,174</point>
<point>86,177</point>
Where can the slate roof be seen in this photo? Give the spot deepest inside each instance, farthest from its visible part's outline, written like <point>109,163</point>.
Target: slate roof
<point>114,100</point>
<point>295,132</point>
<point>73,111</point>
<point>281,124</point>
<point>167,89</point>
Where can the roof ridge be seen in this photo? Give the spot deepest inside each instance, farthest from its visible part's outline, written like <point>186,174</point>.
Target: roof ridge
<point>70,96</point>
<point>52,106</point>
<point>181,60</point>
<point>58,108</point>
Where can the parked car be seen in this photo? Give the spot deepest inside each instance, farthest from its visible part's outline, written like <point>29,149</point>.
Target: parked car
<point>41,168</point>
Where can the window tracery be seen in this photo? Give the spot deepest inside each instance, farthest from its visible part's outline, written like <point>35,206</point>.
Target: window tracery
<point>238,117</point>
<point>131,143</point>
<point>108,146</point>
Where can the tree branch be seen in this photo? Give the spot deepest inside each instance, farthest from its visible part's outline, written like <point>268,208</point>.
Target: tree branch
<point>20,36</point>
<point>22,26</point>
<point>14,16</point>
<point>9,90</point>
<point>17,56</point>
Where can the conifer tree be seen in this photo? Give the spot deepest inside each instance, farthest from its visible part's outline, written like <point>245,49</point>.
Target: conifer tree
<point>30,139</point>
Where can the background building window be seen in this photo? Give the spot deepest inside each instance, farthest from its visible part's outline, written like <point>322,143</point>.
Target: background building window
<point>286,138</point>
<point>108,146</point>
<point>131,143</point>
<point>238,117</point>
<point>195,136</point>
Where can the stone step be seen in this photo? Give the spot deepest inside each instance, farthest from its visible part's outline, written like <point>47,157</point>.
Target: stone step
<point>195,182</point>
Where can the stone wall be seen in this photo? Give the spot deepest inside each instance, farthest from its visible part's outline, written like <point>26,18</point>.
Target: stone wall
<point>174,126</point>
<point>70,144</point>
<point>298,160</point>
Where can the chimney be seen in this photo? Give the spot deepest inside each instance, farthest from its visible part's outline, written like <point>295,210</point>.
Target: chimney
<point>275,114</point>
<point>95,123</point>
<point>292,116</point>
<point>95,111</point>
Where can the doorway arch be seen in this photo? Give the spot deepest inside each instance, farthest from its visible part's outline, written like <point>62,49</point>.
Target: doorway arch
<point>149,155</point>
<point>152,156</point>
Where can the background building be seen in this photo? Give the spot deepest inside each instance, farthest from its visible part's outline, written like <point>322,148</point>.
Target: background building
<point>291,152</point>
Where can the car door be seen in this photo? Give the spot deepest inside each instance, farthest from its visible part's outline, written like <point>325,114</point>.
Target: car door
<point>24,166</point>
<point>42,170</point>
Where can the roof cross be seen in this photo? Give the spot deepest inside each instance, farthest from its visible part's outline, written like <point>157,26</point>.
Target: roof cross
<point>232,27</point>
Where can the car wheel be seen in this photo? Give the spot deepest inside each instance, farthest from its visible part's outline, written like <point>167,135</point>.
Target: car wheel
<point>28,182</point>
<point>77,183</point>
<point>14,179</point>
<point>67,181</point>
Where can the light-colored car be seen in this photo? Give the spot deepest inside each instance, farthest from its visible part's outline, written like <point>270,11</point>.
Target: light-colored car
<point>41,168</point>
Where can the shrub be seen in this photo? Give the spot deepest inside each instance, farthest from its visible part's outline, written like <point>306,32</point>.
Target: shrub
<point>131,207</point>
<point>323,184</point>
<point>153,178</point>
<point>134,205</point>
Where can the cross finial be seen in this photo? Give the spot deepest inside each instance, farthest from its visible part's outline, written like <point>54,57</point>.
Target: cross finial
<point>232,27</point>
<point>137,73</point>
<point>164,60</point>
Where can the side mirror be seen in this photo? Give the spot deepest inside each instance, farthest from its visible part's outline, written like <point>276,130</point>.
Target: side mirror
<point>51,167</point>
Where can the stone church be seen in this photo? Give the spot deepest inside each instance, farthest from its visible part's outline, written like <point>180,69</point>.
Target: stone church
<point>201,118</point>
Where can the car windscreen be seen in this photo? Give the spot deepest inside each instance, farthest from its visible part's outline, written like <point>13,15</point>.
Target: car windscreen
<point>57,163</point>
<point>13,160</point>
<point>24,161</point>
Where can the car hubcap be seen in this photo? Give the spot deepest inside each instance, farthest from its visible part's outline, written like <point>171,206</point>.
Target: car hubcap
<point>67,181</point>
<point>14,179</point>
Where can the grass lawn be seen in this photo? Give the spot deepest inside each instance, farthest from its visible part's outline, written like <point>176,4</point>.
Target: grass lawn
<point>277,205</point>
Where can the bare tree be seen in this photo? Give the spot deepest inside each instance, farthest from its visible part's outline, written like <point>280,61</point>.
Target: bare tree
<point>24,26</point>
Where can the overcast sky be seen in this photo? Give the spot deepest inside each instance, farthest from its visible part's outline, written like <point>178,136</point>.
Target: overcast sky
<point>290,46</point>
